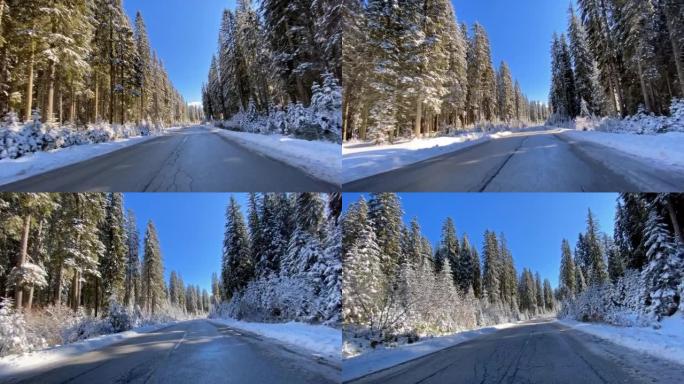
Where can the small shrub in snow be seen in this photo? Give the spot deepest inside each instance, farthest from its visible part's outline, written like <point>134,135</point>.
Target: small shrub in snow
<point>122,318</point>
<point>14,337</point>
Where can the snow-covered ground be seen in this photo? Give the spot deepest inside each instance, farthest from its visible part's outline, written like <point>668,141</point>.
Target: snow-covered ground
<point>361,160</point>
<point>319,339</point>
<point>666,342</point>
<point>665,148</point>
<point>318,158</point>
<point>12,170</point>
<point>15,364</point>
<point>382,358</point>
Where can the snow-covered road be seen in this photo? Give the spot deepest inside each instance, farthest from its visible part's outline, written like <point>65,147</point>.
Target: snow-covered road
<point>538,161</point>
<point>188,160</point>
<point>197,351</point>
<point>537,352</point>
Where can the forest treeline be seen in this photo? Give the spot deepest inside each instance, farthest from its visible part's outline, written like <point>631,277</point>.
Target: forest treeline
<point>619,57</point>
<point>410,69</point>
<point>82,250</point>
<point>396,284</point>
<point>283,262</point>
<point>81,62</point>
<point>634,276</point>
<point>281,62</point>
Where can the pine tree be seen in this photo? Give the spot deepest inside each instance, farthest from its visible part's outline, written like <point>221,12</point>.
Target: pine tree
<point>237,267</point>
<point>477,277</point>
<point>449,249</point>
<point>567,272</point>
<point>153,271</point>
<point>132,283</point>
<point>548,295</point>
<point>597,266</point>
<point>384,214</point>
<point>506,94</point>
<point>491,273</point>
<point>113,261</point>
<point>586,77</point>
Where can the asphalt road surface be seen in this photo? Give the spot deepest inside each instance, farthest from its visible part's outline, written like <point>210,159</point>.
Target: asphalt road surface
<point>197,351</point>
<point>189,160</point>
<point>538,352</point>
<point>537,161</point>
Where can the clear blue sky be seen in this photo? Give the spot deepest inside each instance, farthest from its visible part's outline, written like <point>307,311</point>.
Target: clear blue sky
<point>190,229</point>
<point>534,223</point>
<point>184,33</point>
<point>520,33</point>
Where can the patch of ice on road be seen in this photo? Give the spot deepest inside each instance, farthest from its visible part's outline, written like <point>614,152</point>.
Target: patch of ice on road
<point>319,339</point>
<point>12,170</point>
<point>17,364</point>
<point>320,159</point>
<point>361,160</point>
<point>665,148</point>
<point>383,358</point>
<point>666,342</point>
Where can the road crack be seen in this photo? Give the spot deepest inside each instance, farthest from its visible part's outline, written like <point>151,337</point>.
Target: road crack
<point>496,173</point>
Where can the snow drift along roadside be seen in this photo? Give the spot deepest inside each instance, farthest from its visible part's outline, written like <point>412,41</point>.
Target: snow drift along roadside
<point>319,339</point>
<point>361,160</point>
<point>666,342</point>
<point>381,359</point>
<point>17,364</point>
<point>317,158</point>
<point>665,148</point>
<point>13,170</point>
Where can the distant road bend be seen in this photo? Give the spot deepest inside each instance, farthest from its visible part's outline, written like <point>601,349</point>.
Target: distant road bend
<point>535,161</point>
<point>197,351</point>
<point>189,160</point>
<point>537,352</point>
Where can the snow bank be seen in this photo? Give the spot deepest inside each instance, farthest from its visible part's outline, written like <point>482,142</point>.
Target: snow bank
<point>12,170</point>
<point>666,342</point>
<point>665,148</point>
<point>380,359</point>
<point>320,159</point>
<point>361,160</point>
<point>320,339</point>
<point>16,364</point>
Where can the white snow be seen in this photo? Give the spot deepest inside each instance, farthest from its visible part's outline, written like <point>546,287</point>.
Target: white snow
<point>12,170</point>
<point>16,364</point>
<point>666,342</point>
<point>320,159</point>
<point>665,148</point>
<point>361,160</point>
<point>319,339</point>
<point>383,358</point>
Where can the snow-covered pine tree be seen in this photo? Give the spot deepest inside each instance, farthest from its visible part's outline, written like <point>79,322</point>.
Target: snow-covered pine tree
<point>598,273</point>
<point>492,268</point>
<point>539,293</point>
<point>237,266</point>
<point>664,271</point>
<point>586,76</point>
<point>465,266</point>
<point>113,261</point>
<point>384,214</point>
<point>132,287</point>
<point>548,296</point>
<point>477,276</point>
<point>506,95</point>
<point>153,272</point>
<point>567,272</point>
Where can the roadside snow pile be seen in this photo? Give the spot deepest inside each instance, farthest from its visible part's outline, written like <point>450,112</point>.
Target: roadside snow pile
<point>318,158</point>
<point>320,339</point>
<point>58,325</point>
<point>322,120</point>
<point>665,148</point>
<point>640,124</point>
<point>20,140</point>
<point>618,304</point>
<point>12,170</point>
<point>665,341</point>
<point>16,364</point>
<point>361,160</point>
<point>363,360</point>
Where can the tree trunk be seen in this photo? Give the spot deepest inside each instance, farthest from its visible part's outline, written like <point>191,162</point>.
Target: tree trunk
<point>72,111</point>
<point>97,97</point>
<point>112,71</point>
<point>75,294</point>
<point>419,117</point>
<point>644,89</point>
<point>58,285</point>
<point>679,235</point>
<point>49,111</point>
<point>29,84</point>
<point>19,287</point>
<point>97,295</point>
<point>29,303</point>
<point>676,49</point>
